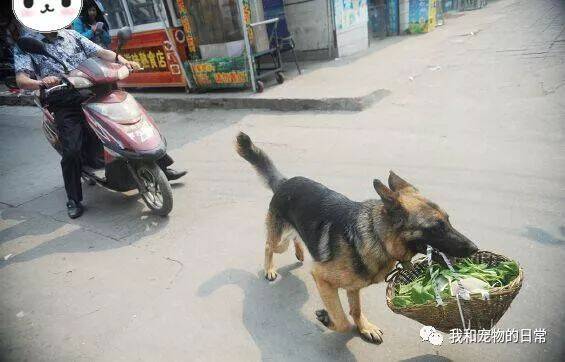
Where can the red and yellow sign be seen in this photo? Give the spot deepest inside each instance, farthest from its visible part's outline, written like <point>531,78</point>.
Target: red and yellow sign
<point>190,40</point>
<point>247,18</point>
<point>151,59</point>
<point>153,51</point>
<point>233,77</point>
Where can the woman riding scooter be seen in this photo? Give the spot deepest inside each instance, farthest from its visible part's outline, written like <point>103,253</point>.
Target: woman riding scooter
<point>62,52</point>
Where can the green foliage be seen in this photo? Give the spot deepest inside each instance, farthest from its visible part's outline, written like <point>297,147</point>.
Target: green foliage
<point>417,28</point>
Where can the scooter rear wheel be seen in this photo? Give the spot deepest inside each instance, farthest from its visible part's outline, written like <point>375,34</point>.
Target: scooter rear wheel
<point>157,195</point>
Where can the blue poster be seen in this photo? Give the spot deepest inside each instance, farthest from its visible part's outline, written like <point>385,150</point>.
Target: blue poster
<point>350,13</point>
<point>418,11</point>
<point>421,16</point>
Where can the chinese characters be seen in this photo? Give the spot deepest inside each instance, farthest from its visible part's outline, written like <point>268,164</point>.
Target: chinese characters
<point>495,335</point>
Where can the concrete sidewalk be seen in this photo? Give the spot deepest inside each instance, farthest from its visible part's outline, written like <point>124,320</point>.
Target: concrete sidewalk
<point>350,84</point>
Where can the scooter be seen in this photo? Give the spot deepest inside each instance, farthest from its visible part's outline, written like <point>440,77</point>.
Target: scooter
<point>129,140</point>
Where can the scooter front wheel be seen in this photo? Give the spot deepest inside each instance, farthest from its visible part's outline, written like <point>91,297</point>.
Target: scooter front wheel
<point>156,190</point>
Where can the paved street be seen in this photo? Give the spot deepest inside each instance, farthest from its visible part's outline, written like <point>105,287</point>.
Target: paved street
<point>475,118</point>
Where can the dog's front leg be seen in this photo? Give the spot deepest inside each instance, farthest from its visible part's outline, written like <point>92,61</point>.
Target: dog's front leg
<point>333,316</point>
<point>274,233</point>
<point>369,331</point>
<point>270,271</point>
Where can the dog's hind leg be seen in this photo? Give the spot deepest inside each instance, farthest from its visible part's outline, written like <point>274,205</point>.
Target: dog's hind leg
<point>368,331</point>
<point>274,234</point>
<point>287,235</point>
<point>333,316</point>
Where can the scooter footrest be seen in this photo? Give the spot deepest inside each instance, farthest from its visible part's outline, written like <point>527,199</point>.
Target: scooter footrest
<point>99,173</point>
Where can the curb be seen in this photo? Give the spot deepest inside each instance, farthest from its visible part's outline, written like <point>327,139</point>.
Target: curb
<point>13,100</point>
<point>182,103</point>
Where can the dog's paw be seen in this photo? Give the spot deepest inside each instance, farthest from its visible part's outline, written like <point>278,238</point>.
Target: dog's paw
<point>371,333</point>
<point>270,275</point>
<point>323,316</point>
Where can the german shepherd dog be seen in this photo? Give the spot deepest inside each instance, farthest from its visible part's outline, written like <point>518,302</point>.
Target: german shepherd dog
<point>353,244</point>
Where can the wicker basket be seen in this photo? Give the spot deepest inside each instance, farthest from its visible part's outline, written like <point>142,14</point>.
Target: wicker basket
<point>478,313</point>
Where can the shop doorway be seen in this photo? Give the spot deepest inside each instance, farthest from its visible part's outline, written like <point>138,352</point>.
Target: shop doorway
<point>383,18</point>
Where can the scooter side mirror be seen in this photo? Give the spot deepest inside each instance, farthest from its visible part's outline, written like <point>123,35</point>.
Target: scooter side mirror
<point>32,45</point>
<point>124,35</point>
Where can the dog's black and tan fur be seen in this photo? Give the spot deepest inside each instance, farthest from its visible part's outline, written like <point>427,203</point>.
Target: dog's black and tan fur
<point>353,244</point>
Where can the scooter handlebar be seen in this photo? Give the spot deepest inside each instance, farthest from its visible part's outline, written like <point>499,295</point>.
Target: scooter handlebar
<point>43,90</point>
<point>57,87</point>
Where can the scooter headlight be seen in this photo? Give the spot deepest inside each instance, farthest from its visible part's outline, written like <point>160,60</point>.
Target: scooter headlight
<point>123,72</point>
<point>140,131</point>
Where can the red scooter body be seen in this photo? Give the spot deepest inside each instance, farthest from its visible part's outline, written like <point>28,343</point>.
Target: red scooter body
<point>130,142</point>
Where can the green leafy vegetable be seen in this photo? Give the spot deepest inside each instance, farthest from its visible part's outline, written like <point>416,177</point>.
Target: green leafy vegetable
<point>421,289</point>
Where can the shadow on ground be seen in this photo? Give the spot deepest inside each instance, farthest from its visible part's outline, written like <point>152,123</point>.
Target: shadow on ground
<point>272,316</point>
<point>39,225</point>
<point>54,234</point>
<point>541,236</point>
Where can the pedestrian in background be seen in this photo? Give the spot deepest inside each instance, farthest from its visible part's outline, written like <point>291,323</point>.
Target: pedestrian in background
<point>91,24</point>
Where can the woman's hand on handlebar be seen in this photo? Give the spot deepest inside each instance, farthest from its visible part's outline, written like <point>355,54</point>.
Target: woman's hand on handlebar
<point>132,66</point>
<point>50,81</point>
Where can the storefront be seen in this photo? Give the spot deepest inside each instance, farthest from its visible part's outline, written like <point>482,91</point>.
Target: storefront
<point>154,28</point>
<point>351,26</point>
<point>383,18</point>
<point>217,56</point>
<point>207,34</point>
<point>213,39</point>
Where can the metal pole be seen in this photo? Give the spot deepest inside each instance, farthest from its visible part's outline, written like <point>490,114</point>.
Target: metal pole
<point>173,44</point>
<point>248,52</point>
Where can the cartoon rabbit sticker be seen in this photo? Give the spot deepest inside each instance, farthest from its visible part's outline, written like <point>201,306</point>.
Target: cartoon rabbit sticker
<point>46,15</point>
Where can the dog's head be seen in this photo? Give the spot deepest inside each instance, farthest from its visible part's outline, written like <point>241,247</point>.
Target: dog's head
<point>418,221</point>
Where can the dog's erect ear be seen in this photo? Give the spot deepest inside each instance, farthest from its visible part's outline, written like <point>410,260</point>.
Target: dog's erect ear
<point>397,183</point>
<point>390,202</point>
<point>388,196</point>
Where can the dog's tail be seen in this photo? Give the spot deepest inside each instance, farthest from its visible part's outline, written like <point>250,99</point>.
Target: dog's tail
<point>259,160</point>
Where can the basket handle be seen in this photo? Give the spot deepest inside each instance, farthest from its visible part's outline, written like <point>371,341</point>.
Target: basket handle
<point>393,274</point>
<point>458,294</point>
